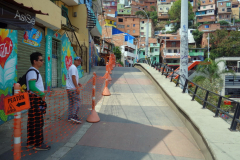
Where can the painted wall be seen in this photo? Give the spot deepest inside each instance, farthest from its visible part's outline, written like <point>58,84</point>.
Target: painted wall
<point>67,57</point>
<point>8,68</point>
<point>110,23</point>
<point>122,10</point>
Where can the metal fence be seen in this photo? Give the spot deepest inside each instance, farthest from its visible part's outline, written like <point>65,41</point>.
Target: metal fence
<point>164,69</point>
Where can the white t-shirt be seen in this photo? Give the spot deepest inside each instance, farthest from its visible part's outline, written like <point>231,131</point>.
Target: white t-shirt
<point>33,75</point>
<point>71,71</point>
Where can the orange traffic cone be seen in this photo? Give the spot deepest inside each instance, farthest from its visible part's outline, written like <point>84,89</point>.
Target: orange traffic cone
<point>93,117</point>
<point>106,91</point>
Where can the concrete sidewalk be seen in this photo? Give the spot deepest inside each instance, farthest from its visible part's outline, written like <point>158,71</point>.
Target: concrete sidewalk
<point>136,123</point>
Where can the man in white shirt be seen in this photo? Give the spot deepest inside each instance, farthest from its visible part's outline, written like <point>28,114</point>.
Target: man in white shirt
<point>73,90</point>
<point>37,102</point>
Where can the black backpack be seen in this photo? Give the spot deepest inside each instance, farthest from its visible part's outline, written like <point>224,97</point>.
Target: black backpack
<point>23,80</point>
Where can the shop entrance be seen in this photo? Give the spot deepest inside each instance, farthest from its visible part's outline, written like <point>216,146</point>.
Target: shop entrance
<point>56,63</point>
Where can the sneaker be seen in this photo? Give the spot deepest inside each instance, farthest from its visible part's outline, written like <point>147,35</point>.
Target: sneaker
<point>76,119</point>
<point>70,119</point>
<point>30,146</point>
<point>42,147</point>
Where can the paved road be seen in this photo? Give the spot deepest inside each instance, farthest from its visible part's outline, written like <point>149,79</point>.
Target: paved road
<point>136,123</point>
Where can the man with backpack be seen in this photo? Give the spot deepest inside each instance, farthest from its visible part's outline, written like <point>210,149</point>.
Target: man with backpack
<point>38,105</point>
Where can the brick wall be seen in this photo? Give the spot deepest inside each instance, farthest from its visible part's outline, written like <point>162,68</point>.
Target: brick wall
<point>131,25</point>
<point>211,27</point>
<point>206,18</point>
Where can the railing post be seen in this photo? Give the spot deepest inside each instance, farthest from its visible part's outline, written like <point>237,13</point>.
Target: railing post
<point>178,80</point>
<point>160,67</point>
<point>218,106</point>
<point>205,100</point>
<point>195,92</point>
<point>172,75</point>
<point>163,70</point>
<point>236,116</point>
<point>185,86</point>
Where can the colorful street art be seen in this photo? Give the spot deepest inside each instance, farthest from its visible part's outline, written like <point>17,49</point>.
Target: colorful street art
<point>32,37</point>
<point>8,67</point>
<point>67,55</point>
<point>48,63</point>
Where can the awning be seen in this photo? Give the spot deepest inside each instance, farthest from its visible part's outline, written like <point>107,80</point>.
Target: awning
<point>14,15</point>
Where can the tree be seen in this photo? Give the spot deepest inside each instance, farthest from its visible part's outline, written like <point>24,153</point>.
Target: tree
<point>224,44</point>
<point>152,15</point>
<point>223,22</point>
<point>117,52</point>
<point>175,11</point>
<point>153,8</point>
<point>197,35</point>
<point>209,70</point>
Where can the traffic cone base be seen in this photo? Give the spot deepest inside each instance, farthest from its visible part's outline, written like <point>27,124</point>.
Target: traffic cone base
<point>93,117</point>
<point>106,92</point>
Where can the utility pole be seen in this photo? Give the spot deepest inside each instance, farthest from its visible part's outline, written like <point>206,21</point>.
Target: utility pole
<point>208,46</point>
<point>184,42</point>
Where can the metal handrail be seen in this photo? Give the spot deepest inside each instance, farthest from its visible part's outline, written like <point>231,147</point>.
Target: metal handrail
<point>164,70</point>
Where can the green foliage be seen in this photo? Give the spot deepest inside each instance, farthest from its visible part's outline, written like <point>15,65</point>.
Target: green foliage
<point>223,22</point>
<point>209,70</point>
<point>223,44</point>
<point>237,20</point>
<point>120,62</point>
<point>175,11</point>
<point>206,23</point>
<point>197,35</point>
<point>168,22</point>
<point>153,8</point>
<point>117,52</point>
<point>152,15</point>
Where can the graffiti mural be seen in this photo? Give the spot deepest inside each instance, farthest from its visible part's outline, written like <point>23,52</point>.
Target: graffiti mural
<point>67,55</point>
<point>8,67</point>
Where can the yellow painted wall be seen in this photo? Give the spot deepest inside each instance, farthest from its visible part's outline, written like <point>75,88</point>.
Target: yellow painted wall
<point>108,23</point>
<point>235,11</point>
<point>53,20</point>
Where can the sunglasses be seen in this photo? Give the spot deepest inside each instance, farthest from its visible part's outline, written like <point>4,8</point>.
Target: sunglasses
<point>40,60</point>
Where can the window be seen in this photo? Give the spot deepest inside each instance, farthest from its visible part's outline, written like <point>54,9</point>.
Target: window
<point>227,16</point>
<point>210,0</point>
<point>128,26</point>
<point>128,11</point>
<point>133,31</point>
<point>204,7</point>
<point>133,25</point>
<point>122,6</point>
<point>160,8</point>
<point>142,27</point>
<point>128,31</point>
<point>120,26</point>
<point>211,6</point>
<point>175,51</point>
<point>206,26</point>
<point>199,17</point>
<point>228,4</point>
<point>150,2</point>
<point>143,53</point>
<point>120,20</point>
<point>195,50</point>
<point>175,37</point>
<point>173,44</point>
<point>113,3</point>
<point>223,9</point>
<point>167,8</point>
<point>203,1</point>
<point>221,4</point>
<point>220,16</point>
<point>109,10</point>
<point>169,51</point>
<point>142,22</point>
<point>110,22</point>
<point>156,50</point>
<point>191,31</point>
<point>142,33</point>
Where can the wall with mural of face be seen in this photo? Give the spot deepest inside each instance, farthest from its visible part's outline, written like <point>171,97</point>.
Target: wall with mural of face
<point>67,56</point>
<point>8,67</point>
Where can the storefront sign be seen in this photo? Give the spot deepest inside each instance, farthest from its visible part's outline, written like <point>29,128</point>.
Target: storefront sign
<point>32,37</point>
<point>19,20</point>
